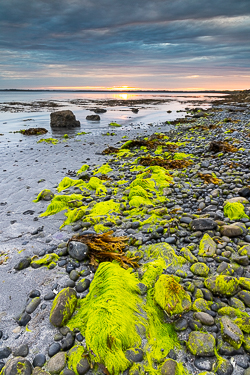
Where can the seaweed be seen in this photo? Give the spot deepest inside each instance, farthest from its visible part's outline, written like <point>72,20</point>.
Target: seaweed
<point>208,178</point>
<point>152,143</point>
<point>104,247</point>
<point>34,131</point>
<point>110,150</point>
<point>166,163</point>
<point>218,146</point>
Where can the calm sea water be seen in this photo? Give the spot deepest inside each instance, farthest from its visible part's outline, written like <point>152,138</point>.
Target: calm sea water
<point>148,115</point>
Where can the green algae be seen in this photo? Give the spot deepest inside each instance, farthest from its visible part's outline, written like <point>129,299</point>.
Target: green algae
<point>63,307</point>
<point>171,296</point>
<point>152,271</point>
<point>74,215</point>
<point>45,261</point>
<point>83,168</point>
<point>99,228</point>
<point>114,124</point>
<point>104,169</point>
<point>166,252</point>
<point>43,194</point>
<point>62,202</point>
<point>102,209</point>
<point>74,357</point>
<point>108,316</point>
<point>68,182</point>
<point>235,211</point>
<point>54,141</point>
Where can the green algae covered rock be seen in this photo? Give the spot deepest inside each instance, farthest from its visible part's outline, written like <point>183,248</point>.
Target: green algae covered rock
<point>48,260</point>
<point>17,366</point>
<point>200,269</point>
<point>233,230</point>
<point>45,195</point>
<point>63,307</point>
<point>234,210</point>
<point>207,246</point>
<point>200,304</point>
<point>77,360</point>
<point>244,283</point>
<point>201,344</point>
<point>224,285</point>
<point>169,367</point>
<point>231,333</point>
<point>171,296</point>
<point>188,255</point>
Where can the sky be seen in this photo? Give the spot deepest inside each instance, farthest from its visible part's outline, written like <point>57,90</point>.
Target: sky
<point>120,44</point>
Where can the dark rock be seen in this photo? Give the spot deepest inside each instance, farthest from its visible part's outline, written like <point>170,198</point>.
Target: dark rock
<point>34,303</point>
<point>39,371</point>
<point>63,307</point>
<point>21,351</point>
<point>201,344</point>
<point>57,363</point>
<point>135,355</point>
<point>79,337</point>
<point>204,318</point>
<point>244,192</point>
<point>68,342</point>
<point>66,371</point>
<point>180,324</point>
<point>82,285</point>
<point>203,364</point>
<point>78,250</point>
<point>143,288</point>
<point>54,348</point>
<point>203,224</point>
<point>83,366</point>
<point>17,366</point>
<point>93,118</point>
<point>24,319</point>
<point>100,110</point>
<point>170,240</point>
<point>49,296</point>
<point>224,368</point>
<point>169,367</point>
<point>39,360</point>
<point>231,333</point>
<point>63,119</point>
<point>34,293</point>
<point>245,297</point>
<point>5,352</point>
<point>23,263</point>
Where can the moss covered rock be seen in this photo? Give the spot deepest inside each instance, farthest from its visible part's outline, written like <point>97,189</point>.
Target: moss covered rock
<point>57,363</point>
<point>17,366</point>
<point>200,269</point>
<point>207,247</point>
<point>63,307</point>
<point>244,283</point>
<point>200,304</point>
<point>171,296</point>
<point>201,344</point>
<point>224,285</point>
<point>231,333</point>
<point>188,255</point>
<point>245,297</point>
<point>233,230</point>
<point>169,367</point>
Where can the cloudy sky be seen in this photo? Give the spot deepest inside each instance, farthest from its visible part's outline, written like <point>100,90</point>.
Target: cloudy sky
<point>150,44</point>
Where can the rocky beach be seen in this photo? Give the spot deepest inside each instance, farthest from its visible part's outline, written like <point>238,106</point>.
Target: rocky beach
<point>128,252</point>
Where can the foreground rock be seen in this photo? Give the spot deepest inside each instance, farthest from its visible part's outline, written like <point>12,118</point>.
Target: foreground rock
<point>63,119</point>
<point>63,307</point>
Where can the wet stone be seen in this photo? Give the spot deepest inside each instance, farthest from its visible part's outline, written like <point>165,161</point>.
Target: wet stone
<point>203,364</point>
<point>23,263</point>
<point>18,366</point>
<point>24,319</point>
<point>34,303</point>
<point>135,355</point>
<point>5,352</point>
<point>57,363</point>
<point>83,366</point>
<point>21,351</point>
<point>82,285</point>
<point>169,367</point>
<point>34,293</point>
<point>54,349</point>
<point>49,296</point>
<point>180,324</point>
<point>78,250</point>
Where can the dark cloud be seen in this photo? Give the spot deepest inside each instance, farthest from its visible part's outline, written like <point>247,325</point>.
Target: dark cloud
<point>106,34</point>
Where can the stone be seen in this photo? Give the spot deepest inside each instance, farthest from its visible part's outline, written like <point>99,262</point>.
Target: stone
<point>186,253</point>
<point>244,192</point>
<point>201,344</point>
<point>82,285</point>
<point>169,367</point>
<point>135,355</point>
<point>68,342</point>
<point>231,333</point>
<point>63,119</point>
<point>54,349</point>
<point>63,307</point>
<point>200,269</point>
<point>23,319</point>
<point>244,283</point>
<point>180,324</point>
<point>66,371</point>
<point>222,284</point>
<point>241,200</point>
<point>207,247</point>
<point>83,366</point>
<point>171,296</point>
<point>21,351</point>
<point>204,318</point>
<point>39,371</point>
<point>78,250</point>
<point>23,263</point>
<point>224,367</point>
<point>93,118</point>
<point>57,363</point>
<point>203,224</point>
<point>203,364</point>
<point>233,230</point>
<point>5,352</point>
<point>34,293</point>
<point>39,360</point>
<point>34,303</point>
<point>245,297</point>
<point>17,366</point>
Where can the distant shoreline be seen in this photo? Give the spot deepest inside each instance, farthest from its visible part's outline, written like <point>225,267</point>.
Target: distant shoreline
<point>126,91</point>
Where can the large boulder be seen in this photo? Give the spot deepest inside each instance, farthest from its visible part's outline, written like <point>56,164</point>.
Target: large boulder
<point>17,366</point>
<point>223,285</point>
<point>203,224</point>
<point>63,307</point>
<point>63,119</point>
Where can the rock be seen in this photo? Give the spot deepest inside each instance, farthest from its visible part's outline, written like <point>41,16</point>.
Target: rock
<point>93,118</point>
<point>200,269</point>
<point>54,349</point>
<point>100,110</point>
<point>233,230</point>
<point>135,355</point>
<point>204,318</point>
<point>21,351</point>
<point>207,247</point>
<point>244,192</point>
<point>203,224</point>
<point>46,195</point>
<point>68,342</point>
<point>57,363</point>
<point>203,364</point>
<point>23,319</point>
<point>244,250</point>
<point>17,366</point>
<point>5,352</point>
<point>224,367</point>
<point>63,119</point>
<point>39,371</point>
<point>63,307</point>
<point>180,324</point>
<point>82,285</point>
<point>34,303</point>
<point>224,285</point>
<point>169,367</point>
<point>236,200</point>
<point>78,250</point>
<point>245,297</point>
<point>188,255</point>
<point>23,263</point>
<point>244,283</point>
<point>34,293</point>
<point>201,344</point>
<point>66,371</point>
<point>39,360</point>
<point>171,296</point>
<point>83,366</point>
<point>231,333</point>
